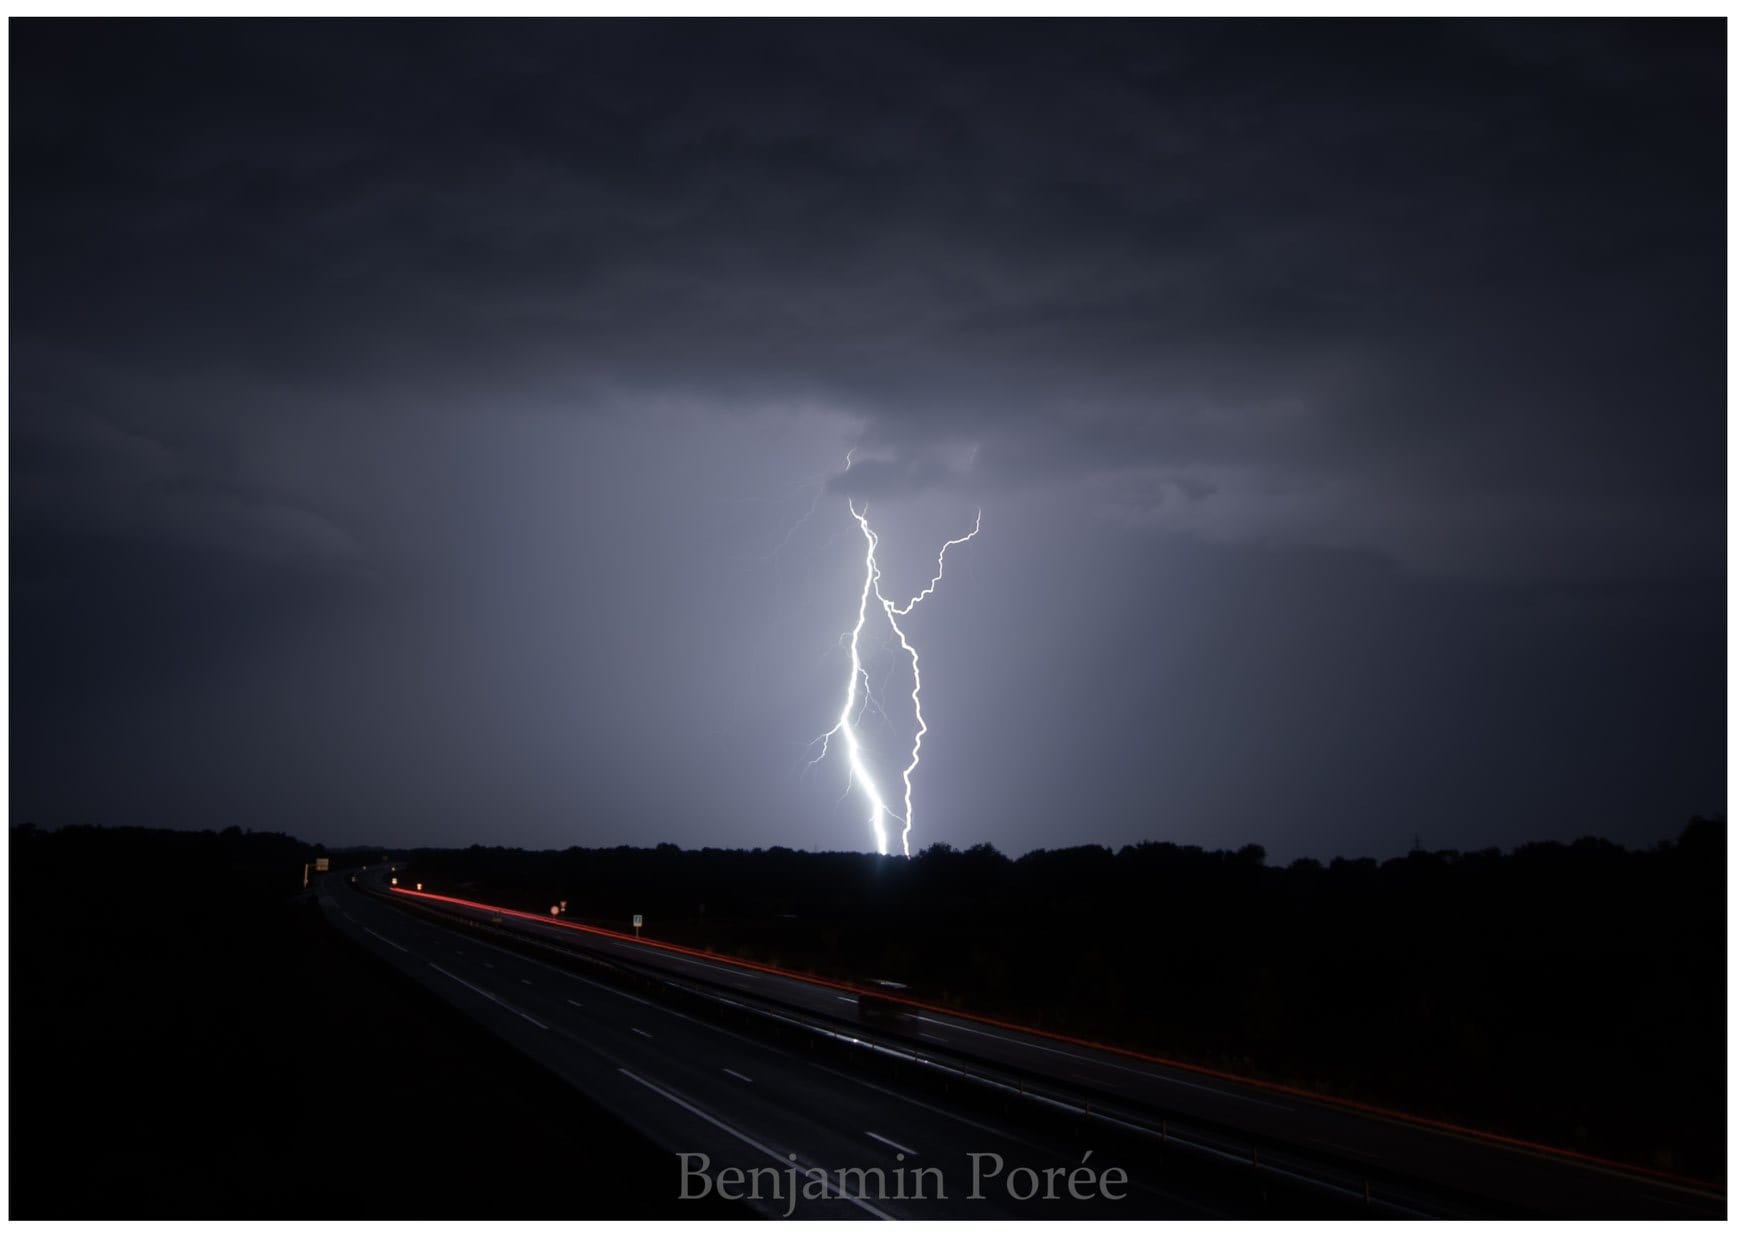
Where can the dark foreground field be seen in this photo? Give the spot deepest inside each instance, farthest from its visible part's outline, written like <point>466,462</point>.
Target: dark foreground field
<point>189,1040</point>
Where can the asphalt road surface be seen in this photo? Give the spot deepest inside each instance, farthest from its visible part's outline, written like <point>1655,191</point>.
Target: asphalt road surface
<point>700,1089</point>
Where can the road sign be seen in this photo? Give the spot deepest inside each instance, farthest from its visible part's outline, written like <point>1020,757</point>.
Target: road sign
<point>636,921</point>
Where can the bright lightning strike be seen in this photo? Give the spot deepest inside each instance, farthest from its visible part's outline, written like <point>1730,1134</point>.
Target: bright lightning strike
<point>940,575</point>
<point>891,612</point>
<point>858,772</point>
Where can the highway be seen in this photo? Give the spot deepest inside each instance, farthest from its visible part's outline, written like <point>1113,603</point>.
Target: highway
<point>673,1070</point>
<point>697,1089</point>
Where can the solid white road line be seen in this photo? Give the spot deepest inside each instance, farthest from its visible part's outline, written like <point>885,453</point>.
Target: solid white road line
<point>488,995</point>
<point>1104,1063</point>
<point>734,1132</point>
<point>692,960</point>
<point>384,938</point>
<point>610,990</point>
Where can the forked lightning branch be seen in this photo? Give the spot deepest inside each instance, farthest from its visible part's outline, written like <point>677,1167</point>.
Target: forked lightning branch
<point>859,689</point>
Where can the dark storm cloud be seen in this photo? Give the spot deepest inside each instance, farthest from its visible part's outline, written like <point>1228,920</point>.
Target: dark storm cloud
<point>288,295</point>
<point>1460,262</point>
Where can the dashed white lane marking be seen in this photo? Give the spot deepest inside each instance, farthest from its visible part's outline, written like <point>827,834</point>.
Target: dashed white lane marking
<point>738,1076</point>
<point>892,1144</point>
<point>750,1141</point>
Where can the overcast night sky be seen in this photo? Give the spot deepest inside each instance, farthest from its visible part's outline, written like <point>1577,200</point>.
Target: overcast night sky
<point>414,429</point>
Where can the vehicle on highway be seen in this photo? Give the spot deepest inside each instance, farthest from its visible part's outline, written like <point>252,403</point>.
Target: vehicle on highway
<point>883,1003</point>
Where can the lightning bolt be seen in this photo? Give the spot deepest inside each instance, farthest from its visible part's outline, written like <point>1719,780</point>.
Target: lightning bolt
<point>816,495</point>
<point>940,575</point>
<point>858,772</point>
<point>891,612</point>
